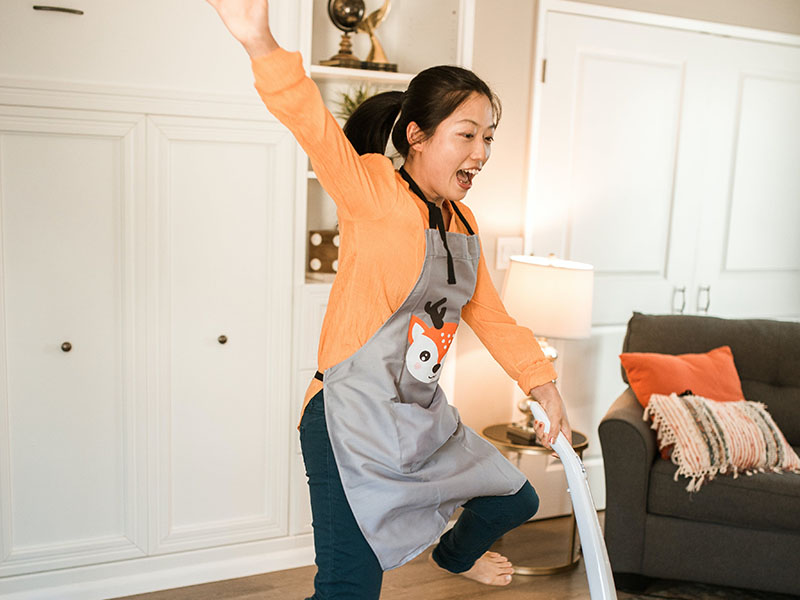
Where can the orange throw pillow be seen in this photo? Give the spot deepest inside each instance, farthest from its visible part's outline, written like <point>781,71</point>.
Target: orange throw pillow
<point>712,375</point>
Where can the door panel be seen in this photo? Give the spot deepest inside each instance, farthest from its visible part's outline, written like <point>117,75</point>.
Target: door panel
<point>616,115</point>
<point>223,443</point>
<point>750,256</point>
<point>71,473</point>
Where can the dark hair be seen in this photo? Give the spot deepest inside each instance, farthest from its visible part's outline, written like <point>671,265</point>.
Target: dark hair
<point>431,97</point>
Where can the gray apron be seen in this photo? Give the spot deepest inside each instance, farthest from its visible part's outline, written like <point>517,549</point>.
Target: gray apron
<point>405,459</point>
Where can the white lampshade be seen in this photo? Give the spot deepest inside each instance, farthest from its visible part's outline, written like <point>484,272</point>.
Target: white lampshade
<point>552,297</point>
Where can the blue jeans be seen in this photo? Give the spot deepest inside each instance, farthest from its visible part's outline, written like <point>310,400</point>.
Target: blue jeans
<point>347,568</point>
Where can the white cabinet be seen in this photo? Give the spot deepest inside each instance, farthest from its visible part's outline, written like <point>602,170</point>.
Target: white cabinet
<point>144,338</point>
<point>146,218</point>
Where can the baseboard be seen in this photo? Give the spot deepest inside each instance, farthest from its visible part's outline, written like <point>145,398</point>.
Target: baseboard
<point>153,573</point>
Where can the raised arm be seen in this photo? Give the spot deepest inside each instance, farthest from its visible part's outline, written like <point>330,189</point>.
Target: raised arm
<point>363,187</point>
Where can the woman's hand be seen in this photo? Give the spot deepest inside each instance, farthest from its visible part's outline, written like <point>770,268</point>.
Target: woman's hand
<point>548,397</point>
<point>248,21</point>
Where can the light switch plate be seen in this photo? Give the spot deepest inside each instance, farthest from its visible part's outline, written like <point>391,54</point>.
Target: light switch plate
<point>506,248</point>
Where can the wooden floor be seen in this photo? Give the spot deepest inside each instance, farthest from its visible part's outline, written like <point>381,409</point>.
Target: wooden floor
<point>536,543</point>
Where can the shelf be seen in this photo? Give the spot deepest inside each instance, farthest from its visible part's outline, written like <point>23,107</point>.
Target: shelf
<point>319,279</point>
<point>342,73</point>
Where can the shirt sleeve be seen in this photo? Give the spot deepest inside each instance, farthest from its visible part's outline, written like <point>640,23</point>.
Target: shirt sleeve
<point>513,346</point>
<point>363,187</point>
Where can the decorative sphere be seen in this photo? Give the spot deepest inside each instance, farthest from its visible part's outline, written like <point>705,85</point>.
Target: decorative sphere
<point>346,14</point>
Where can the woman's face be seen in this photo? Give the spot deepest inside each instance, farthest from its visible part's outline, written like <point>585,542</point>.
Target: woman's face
<point>445,163</point>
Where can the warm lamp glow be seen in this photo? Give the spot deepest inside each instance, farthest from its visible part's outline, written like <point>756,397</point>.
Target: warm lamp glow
<point>552,297</point>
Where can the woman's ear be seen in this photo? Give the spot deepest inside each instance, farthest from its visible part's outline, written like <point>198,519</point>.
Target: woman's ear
<point>415,136</point>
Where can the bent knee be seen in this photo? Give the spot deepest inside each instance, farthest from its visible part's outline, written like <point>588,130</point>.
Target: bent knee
<point>527,502</point>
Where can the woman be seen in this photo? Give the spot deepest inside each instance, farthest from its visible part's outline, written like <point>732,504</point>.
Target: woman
<point>387,458</point>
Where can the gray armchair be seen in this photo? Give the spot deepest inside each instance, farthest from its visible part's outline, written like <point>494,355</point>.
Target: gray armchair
<point>741,532</point>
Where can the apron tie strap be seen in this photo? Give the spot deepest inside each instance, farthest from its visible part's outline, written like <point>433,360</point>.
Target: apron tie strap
<point>463,220</point>
<point>436,220</point>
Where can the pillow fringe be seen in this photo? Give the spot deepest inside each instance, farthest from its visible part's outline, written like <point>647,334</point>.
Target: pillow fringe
<point>711,438</point>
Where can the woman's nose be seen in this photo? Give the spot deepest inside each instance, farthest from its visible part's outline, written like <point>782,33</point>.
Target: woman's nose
<point>481,151</point>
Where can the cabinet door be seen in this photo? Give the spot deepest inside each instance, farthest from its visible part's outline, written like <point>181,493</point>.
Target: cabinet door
<point>749,248</point>
<point>169,44</point>
<point>71,387</point>
<point>221,219</point>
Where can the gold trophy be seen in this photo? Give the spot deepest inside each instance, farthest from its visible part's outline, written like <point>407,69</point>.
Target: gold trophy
<point>377,57</point>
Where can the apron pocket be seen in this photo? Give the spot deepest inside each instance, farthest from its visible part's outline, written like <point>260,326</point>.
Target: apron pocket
<point>422,431</point>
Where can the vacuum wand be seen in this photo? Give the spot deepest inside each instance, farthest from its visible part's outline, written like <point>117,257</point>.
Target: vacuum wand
<point>595,555</point>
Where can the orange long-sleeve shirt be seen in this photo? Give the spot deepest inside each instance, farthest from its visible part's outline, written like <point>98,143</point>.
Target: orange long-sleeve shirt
<point>382,231</point>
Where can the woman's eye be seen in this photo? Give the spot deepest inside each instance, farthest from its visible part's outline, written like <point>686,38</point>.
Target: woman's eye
<point>489,140</point>
<point>424,356</point>
<point>469,136</point>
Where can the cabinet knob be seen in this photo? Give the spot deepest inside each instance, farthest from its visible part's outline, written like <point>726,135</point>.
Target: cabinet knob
<point>66,347</point>
<point>72,11</point>
<point>222,339</point>
<point>682,292</point>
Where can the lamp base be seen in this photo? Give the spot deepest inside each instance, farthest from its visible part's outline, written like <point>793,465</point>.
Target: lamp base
<point>550,352</point>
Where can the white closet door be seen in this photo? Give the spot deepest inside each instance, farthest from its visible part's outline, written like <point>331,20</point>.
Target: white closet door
<point>749,247</point>
<point>221,209</point>
<point>71,435</point>
<point>668,159</point>
<point>620,106</point>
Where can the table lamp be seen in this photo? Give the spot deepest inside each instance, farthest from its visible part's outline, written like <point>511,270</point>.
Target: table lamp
<point>553,298</point>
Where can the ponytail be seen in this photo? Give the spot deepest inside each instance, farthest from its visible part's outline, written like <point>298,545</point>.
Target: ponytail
<point>370,125</point>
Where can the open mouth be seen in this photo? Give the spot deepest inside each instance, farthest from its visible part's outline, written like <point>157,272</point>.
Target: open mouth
<point>465,176</point>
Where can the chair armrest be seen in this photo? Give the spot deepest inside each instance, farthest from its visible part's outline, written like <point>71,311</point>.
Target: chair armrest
<point>626,411</point>
<point>629,448</point>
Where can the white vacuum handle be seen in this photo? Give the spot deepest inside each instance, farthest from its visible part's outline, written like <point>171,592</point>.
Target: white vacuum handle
<point>595,555</point>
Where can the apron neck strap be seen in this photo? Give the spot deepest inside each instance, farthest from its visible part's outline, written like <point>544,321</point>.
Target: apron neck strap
<point>435,219</point>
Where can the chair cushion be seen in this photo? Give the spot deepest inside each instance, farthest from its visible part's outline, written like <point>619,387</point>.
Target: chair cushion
<point>765,501</point>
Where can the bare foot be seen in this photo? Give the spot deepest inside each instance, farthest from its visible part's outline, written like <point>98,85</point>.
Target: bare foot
<point>491,569</point>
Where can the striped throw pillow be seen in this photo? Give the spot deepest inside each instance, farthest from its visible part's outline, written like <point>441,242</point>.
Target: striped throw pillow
<point>712,437</point>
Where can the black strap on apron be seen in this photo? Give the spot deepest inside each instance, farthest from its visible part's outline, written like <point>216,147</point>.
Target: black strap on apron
<point>436,220</point>
<point>463,220</point>
<point>318,375</point>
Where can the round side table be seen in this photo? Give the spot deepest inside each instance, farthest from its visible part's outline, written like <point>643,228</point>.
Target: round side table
<point>496,434</point>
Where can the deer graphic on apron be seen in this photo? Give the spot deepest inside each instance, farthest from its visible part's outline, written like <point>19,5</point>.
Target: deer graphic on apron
<point>405,459</point>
